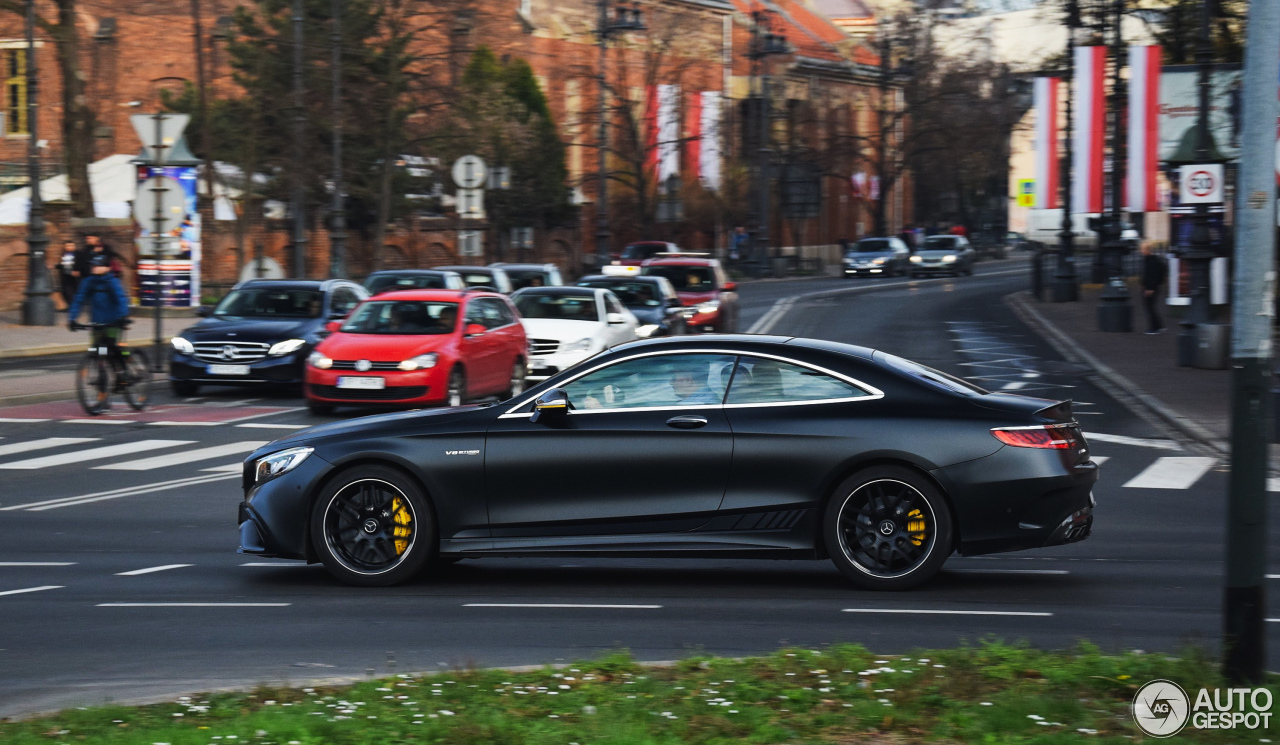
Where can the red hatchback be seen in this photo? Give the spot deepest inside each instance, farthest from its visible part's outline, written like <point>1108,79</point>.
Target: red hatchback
<point>710,299</point>
<point>419,347</point>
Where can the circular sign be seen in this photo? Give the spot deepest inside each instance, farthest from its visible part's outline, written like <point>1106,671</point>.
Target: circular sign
<point>1161,708</point>
<point>1201,184</point>
<point>469,172</point>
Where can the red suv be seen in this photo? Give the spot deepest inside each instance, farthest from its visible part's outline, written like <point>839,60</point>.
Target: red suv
<point>710,299</point>
<point>419,347</point>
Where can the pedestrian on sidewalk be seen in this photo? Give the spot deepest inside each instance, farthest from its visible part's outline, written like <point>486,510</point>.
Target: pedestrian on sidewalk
<point>1154,270</point>
<point>68,277</point>
<point>738,244</point>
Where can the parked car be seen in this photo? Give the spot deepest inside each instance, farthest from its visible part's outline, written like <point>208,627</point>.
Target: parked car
<point>638,252</point>
<point>566,325</point>
<point>710,299</point>
<point>651,299</point>
<point>877,256</point>
<point>410,348</point>
<point>943,254</point>
<point>490,278</point>
<point>531,275</point>
<point>260,333</point>
<point>413,279</point>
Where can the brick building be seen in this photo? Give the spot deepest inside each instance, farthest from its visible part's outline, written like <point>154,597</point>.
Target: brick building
<point>682,102</point>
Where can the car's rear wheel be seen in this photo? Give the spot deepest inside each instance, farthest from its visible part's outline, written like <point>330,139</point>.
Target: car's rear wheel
<point>888,528</point>
<point>456,393</point>
<point>517,385</point>
<point>372,527</point>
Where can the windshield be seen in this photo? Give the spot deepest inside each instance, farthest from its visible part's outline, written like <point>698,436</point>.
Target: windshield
<point>478,279</point>
<point>633,294</point>
<point>563,307</point>
<point>935,378</point>
<point>940,243</point>
<point>271,303</point>
<point>402,317</point>
<point>643,250</point>
<point>391,282</point>
<point>871,245</point>
<point>522,278</point>
<point>686,278</point>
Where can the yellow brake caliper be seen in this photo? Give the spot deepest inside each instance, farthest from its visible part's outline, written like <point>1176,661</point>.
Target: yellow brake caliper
<point>916,527</point>
<point>404,525</point>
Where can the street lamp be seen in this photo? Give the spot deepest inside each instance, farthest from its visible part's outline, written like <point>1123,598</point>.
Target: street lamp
<point>1115,313</point>
<point>626,18</point>
<point>765,43</point>
<point>37,309</point>
<point>1065,286</point>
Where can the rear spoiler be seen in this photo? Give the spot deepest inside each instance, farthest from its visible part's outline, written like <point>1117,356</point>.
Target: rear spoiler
<point>1059,412</point>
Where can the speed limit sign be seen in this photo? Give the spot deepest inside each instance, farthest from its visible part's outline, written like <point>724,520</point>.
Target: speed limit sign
<point>1200,184</point>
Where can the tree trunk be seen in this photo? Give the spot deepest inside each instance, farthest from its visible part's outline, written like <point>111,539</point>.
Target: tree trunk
<point>384,206</point>
<point>77,118</point>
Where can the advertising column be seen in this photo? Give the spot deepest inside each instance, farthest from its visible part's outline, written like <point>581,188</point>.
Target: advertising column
<point>173,276</point>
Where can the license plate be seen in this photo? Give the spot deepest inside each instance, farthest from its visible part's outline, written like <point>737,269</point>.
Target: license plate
<point>537,364</point>
<point>363,384</point>
<point>228,369</point>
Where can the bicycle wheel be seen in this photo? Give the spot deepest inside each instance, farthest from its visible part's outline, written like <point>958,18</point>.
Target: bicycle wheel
<point>93,384</point>
<point>137,387</point>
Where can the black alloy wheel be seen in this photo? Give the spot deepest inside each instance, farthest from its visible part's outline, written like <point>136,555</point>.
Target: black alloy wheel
<point>456,394</point>
<point>888,528</point>
<point>372,527</point>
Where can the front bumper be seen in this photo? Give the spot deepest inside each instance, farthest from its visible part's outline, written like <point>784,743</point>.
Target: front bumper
<point>856,269</point>
<point>286,369</point>
<point>274,516</point>
<point>544,366</point>
<point>923,268</point>
<point>428,386</point>
<point>704,321</point>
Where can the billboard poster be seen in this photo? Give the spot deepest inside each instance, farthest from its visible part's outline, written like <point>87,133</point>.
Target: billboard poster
<point>174,275</point>
<point>1178,108</point>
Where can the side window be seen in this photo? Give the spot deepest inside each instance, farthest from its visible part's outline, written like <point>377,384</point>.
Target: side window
<point>672,380</point>
<point>491,310</point>
<point>343,300</point>
<point>475,313</point>
<point>764,381</point>
<point>505,313</point>
<point>611,304</point>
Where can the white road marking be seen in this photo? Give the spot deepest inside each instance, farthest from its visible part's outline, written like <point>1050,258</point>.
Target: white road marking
<point>32,589</point>
<point>559,605</point>
<point>48,442</point>
<point>194,605</point>
<point>273,412</point>
<point>79,456</point>
<point>947,612</point>
<point>1137,441</point>
<point>20,420</point>
<point>1010,571</point>
<point>229,468</point>
<point>1273,484</point>
<point>185,424</point>
<point>1013,386</point>
<point>275,564</point>
<point>1273,576</point>
<point>129,491</point>
<point>149,570</point>
<point>185,456</point>
<point>1100,459</point>
<point>98,421</point>
<point>262,425</point>
<point>1172,472</point>
<point>37,563</point>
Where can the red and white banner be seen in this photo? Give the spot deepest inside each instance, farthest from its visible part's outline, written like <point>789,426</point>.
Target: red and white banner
<point>1144,128</point>
<point>708,161</point>
<point>1046,144</point>
<point>1088,138</point>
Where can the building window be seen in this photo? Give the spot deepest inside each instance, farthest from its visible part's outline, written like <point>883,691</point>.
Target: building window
<point>15,92</point>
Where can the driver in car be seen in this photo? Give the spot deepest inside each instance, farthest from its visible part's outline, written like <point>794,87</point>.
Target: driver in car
<point>690,385</point>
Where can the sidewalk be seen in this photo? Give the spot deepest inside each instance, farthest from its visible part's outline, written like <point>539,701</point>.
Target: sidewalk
<point>17,340</point>
<point>1193,402</point>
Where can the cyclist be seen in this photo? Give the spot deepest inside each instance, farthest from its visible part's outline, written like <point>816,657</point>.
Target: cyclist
<point>108,308</point>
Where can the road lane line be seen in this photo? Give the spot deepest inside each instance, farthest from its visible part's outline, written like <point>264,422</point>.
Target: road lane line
<point>98,421</point>
<point>187,482</point>
<point>1273,576</point>
<point>1099,459</point>
<point>559,605</point>
<point>37,563</point>
<point>79,456</point>
<point>277,412</point>
<point>193,605</point>
<point>1137,441</point>
<point>1172,472</point>
<point>184,424</point>
<point>149,570</point>
<point>947,612</point>
<point>32,589</point>
<point>48,442</point>
<point>125,492</point>
<point>1008,571</point>
<point>20,420</point>
<point>267,425</point>
<point>185,456</point>
<point>229,468</point>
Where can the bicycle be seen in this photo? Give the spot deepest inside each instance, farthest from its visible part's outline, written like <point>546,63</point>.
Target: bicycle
<point>111,366</point>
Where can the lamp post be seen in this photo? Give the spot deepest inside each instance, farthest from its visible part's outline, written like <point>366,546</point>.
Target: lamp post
<point>1065,287</point>
<point>765,43</point>
<point>338,229</point>
<point>1115,313</point>
<point>299,121</point>
<point>37,309</point>
<point>626,18</point>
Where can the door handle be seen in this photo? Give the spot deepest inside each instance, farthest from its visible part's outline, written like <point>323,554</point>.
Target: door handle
<point>687,422</point>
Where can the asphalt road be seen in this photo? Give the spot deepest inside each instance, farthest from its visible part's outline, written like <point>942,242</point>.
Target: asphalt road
<point>121,582</point>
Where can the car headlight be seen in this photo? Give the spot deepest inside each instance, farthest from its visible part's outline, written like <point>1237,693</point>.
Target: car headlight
<point>580,345</point>
<point>182,346</point>
<point>271,466</point>
<point>711,306</point>
<point>285,347</point>
<point>916,259</point>
<point>421,362</point>
<point>948,259</point>
<point>647,330</point>
<point>319,361</point>
<point>877,261</point>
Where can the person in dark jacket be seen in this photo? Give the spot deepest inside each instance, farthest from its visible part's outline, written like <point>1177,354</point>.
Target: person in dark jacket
<point>108,304</point>
<point>1154,270</point>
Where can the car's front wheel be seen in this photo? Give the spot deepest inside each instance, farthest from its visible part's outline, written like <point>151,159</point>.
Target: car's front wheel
<point>372,527</point>
<point>888,528</point>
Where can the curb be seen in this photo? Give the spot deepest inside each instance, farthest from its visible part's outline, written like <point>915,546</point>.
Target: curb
<point>37,398</point>
<point>43,351</point>
<point>1139,401</point>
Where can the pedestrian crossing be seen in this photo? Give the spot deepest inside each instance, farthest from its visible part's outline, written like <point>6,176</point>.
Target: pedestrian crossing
<point>76,456</point>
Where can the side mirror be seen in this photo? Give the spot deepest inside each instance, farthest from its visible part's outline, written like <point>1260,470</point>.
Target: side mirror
<point>615,318</point>
<point>474,329</point>
<point>553,403</point>
<point>332,326</point>
<point>730,286</point>
<point>204,311</point>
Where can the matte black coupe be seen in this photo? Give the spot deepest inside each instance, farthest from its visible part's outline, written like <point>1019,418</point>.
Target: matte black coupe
<point>710,446</point>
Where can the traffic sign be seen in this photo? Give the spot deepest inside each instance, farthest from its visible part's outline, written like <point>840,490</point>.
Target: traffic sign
<point>1200,184</point>
<point>173,203</point>
<point>1026,192</point>
<point>171,128</point>
<point>471,204</point>
<point>469,172</point>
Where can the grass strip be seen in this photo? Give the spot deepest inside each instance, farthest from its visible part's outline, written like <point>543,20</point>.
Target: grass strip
<point>991,693</point>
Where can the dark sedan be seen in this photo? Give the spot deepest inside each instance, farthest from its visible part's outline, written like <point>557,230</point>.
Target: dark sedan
<point>885,257</point>
<point>261,333</point>
<point>651,299</point>
<point>391,280</point>
<point>710,446</point>
<point>943,254</point>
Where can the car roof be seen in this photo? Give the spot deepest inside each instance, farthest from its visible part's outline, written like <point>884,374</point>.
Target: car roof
<point>682,261</point>
<point>748,342</point>
<point>287,284</point>
<point>523,267</point>
<point>653,278</point>
<point>414,271</point>
<point>463,268</point>
<point>450,296</point>
<point>563,290</point>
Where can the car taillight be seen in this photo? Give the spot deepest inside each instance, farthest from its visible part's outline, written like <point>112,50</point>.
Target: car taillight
<point>1047,436</point>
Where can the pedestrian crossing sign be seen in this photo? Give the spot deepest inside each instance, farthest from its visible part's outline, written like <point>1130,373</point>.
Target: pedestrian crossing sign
<point>1026,192</point>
